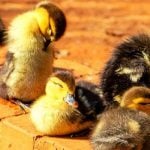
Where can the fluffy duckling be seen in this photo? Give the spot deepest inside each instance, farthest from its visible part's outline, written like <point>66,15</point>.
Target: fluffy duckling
<point>89,100</point>
<point>137,98</point>
<point>2,32</point>
<point>56,113</point>
<point>122,129</point>
<point>30,53</point>
<point>128,66</point>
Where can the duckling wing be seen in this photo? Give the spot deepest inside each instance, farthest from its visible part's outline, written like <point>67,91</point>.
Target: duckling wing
<point>90,103</point>
<point>5,72</point>
<point>8,67</point>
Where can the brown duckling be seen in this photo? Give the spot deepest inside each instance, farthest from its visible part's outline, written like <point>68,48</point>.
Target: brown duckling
<point>122,129</point>
<point>137,98</point>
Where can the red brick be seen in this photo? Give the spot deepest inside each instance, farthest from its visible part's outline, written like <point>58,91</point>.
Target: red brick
<point>80,71</point>
<point>8,109</point>
<point>17,133</point>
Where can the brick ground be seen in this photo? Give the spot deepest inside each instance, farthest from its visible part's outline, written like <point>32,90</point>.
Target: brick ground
<point>94,28</point>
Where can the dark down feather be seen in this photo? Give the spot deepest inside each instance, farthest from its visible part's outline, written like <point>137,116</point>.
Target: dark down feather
<point>129,66</point>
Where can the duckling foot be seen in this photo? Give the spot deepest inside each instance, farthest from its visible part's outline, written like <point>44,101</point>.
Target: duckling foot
<point>24,107</point>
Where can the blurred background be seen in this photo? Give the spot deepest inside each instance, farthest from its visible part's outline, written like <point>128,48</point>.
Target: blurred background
<point>94,28</point>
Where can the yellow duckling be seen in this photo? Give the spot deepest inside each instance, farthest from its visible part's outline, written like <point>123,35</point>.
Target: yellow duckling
<point>56,113</point>
<point>122,129</point>
<point>137,98</point>
<point>30,52</point>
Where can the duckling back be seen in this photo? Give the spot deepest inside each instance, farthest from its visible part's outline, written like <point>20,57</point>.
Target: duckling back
<point>122,129</point>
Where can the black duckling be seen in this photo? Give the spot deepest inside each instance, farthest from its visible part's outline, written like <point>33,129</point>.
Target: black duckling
<point>129,66</point>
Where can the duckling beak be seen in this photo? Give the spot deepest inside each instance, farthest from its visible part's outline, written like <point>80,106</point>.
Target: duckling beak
<point>52,38</point>
<point>142,101</point>
<point>71,101</point>
<point>50,35</point>
<point>48,39</point>
<point>46,43</point>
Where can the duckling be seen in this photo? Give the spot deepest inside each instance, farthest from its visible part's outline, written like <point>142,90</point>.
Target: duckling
<point>2,32</point>
<point>128,66</point>
<point>30,52</point>
<point>89,100</point>
<point>56,113</point>
<point>122,129</point>
<point>137,98</point>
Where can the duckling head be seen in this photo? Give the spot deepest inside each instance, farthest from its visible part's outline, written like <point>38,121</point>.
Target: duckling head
<point>61,86</point>
<point>51,20</point>
<point>137,98</point>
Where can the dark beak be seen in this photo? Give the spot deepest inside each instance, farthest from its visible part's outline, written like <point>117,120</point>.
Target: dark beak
<point>46,43</point>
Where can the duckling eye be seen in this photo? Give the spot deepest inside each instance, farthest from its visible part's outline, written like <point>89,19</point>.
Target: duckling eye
<point>58,84</point>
